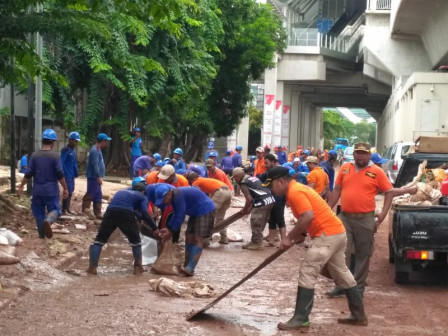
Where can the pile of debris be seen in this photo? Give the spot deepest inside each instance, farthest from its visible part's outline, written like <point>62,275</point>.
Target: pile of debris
<point>428,183</point>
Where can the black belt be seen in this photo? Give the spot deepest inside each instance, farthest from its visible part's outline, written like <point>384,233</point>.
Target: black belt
<point>358,215</point>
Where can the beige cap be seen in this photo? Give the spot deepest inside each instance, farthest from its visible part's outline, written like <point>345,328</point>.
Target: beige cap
<point>237,171</point>
<point>311,159</point>
<point>166,171</point>
<point>362,146</point>
<point>209,162</point>
<point>259,150</point>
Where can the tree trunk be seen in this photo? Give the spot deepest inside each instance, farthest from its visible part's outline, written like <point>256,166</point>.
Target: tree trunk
<point>193,152</point>
<point>165,145</point>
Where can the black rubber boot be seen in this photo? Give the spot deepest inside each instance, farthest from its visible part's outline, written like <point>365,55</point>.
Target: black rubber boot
<point>86,202</point>
<point>335,292</point>
<point>304,304</point>
<point>97,210</point>
<point>356,306</point>
<point>94,257</point>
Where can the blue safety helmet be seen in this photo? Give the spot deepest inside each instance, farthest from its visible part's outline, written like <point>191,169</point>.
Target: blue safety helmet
<point>213,153</point>
<point>160,163</point>
<point>167,160</point>
<point>239,147</point>
<point>307,152</point>
<point>74,136</point>
<point>228,152</point>
<point>157,156</point>
<point>178,151</point>
<point>137,179</point>
<point>287,165</point>
<point>136,129</point>
<point>49,134</point>
<point>211,145</point>
<point>252,158</point>
<point>292,172</point>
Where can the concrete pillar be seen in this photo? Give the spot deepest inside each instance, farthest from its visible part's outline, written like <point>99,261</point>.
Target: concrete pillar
<point>270,92</point>
<point>277,130</point>
<point>294,121</point>
<point>286,113</point>
<point>242,136</point>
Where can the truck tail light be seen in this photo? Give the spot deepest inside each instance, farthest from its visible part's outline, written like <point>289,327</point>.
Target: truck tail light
<point>395,166</point>
<point>420,255</point>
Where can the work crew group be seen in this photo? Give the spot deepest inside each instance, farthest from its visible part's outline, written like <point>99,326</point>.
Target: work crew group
<point>302,181</point>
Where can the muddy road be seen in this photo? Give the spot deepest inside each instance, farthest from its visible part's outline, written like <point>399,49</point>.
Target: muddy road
<point>118,303</point>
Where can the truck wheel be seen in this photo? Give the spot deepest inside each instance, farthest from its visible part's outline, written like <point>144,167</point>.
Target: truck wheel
<point>401,274</point>
<point>391,252</point>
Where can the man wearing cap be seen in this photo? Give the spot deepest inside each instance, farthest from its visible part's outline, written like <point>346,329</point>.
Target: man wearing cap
<point>211,146</point>
<point>259,202</point>
<point>227,163</point>
<point>327,166</point>
<point>197,169</point>
<point>45,168</point>
<point>142,165</point>
<point>95,171</point>
<point>168,175</point>
<point>357,183</point>
<point>378,160</point>
<point>178,161</point>
<point>152,176</point>
<point>277,214</point>
<point>70,166</point>
<point>259,162</point>
<point>121,214</point>
<point>220,194</point>
<point>281,155</point>
<point>136,149</point>
<point>325,254</point>
<point>237,161</point>
<point>317,178</point>
<point>192,202</point>
<point>216,173</point>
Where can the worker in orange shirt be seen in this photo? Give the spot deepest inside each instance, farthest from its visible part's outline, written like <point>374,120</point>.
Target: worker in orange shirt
<point>220,194</point>
<point>260,168</point>
<point>317,178</point>
<point>168,175</point>
<point>299,151</point>
<point>326,253</point>
<point>216,173</point>
<point>152,177</point>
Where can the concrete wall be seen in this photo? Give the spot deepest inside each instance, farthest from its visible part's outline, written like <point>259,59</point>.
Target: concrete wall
<point>417,107</point>
<point>399,57</point>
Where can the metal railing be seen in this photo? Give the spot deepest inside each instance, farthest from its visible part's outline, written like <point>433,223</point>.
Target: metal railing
<point>379,4</point>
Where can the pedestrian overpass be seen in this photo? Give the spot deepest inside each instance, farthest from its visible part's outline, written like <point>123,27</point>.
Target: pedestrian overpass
<point>351,53</point>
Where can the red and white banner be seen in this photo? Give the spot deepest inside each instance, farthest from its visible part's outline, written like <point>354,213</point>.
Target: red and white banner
<point>268,119</point>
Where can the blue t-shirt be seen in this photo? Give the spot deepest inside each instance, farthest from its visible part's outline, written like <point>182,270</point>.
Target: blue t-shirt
<point>180,164</point>
<point>129,200</point>
<point>137,147</point>
<point>282,157</point>
<point>328,168</point>
<point>143,162</point>
<point>237,160</point>
<point>69,162</point>
<point>189,201</point>
<point>23,164</point>
<point>45,167</point>
<point>227,162</point>
<point>95,163</point>
<point>207,155</point>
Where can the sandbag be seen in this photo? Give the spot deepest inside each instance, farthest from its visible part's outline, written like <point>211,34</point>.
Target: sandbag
<point>149,250</point>
<point>169,287</point>
<point>168,262</point>
<point>13,239</point>
<point>7,255</point>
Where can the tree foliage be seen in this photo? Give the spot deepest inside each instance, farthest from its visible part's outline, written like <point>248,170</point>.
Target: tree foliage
<point>336,126</point>
<point>181,68</point>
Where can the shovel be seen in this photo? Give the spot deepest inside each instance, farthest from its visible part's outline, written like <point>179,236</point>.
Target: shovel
<point>226,222</point>
<point>266,262</point>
